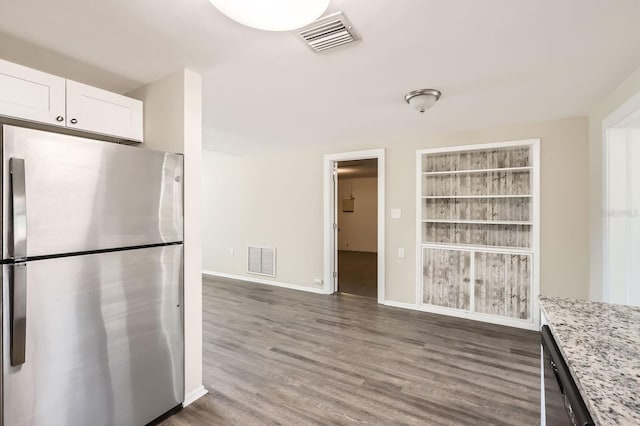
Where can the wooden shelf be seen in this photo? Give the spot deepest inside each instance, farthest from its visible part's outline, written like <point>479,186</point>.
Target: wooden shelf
<point>435,197</point>
<point>479,222</point>
<point>502,169</point>
<point>482,265</point>
<point>476,247</point>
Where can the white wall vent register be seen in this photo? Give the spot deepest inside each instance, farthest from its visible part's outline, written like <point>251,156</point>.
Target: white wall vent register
<point>328,32</point>
<point>262,261</point>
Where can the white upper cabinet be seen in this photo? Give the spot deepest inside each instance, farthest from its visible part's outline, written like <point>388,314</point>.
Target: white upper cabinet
<point>99,111</point>
<point>28,94</point>
<point>31,95</point>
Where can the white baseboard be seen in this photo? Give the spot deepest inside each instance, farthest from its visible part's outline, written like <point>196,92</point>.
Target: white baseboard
<point>452,313</point>
<point>194,395</point>
<point>403,305</point>
<point>263,281</point>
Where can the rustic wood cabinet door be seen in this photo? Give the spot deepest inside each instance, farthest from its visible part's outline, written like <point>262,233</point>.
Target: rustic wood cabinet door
<point>446,277</point>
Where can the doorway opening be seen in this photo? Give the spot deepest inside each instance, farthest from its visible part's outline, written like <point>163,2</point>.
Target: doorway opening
<point>357,221</point>
<point>354,223</point>
<point>621,213</point>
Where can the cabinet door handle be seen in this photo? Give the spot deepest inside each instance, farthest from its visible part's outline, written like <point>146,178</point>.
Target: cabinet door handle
<point>74,121</point>
<point>59,118</point>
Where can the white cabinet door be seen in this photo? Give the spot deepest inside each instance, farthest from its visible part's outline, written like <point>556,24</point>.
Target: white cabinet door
<point>99,111</point>
<point>31,95</point>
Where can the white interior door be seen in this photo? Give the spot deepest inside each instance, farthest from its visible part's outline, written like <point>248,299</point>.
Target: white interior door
<point>335,226</point>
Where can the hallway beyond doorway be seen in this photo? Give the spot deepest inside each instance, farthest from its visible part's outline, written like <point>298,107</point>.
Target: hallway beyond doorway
<point>357,273</point>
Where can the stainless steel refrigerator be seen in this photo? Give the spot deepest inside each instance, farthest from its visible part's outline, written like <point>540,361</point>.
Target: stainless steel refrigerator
<point>92,316</point>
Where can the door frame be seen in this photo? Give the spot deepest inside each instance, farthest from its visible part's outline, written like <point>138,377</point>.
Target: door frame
<point>330,240</point>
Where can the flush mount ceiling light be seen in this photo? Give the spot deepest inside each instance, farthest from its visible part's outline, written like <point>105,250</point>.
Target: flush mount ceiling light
<point>272,15</point>
<point>423,99</point>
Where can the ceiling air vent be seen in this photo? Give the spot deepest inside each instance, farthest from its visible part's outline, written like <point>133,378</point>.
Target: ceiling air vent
<point>328,32</point>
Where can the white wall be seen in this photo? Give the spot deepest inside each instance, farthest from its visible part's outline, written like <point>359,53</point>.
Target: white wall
<point>30,55</point>
<point>256,207</point>
<point>627,89</point>
<point>265,200</point>
<point>173,123</point>
<point>358,230</point>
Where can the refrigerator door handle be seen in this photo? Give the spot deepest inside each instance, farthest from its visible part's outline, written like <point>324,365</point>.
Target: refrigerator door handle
<point>18,322</point>
<point>18,243</point>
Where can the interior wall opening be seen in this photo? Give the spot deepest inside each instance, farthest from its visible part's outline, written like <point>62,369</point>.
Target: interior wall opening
<point>357,222</point>
<point>622,211</point>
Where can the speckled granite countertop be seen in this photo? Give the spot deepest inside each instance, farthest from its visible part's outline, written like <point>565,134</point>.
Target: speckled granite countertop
<point>600,343</point>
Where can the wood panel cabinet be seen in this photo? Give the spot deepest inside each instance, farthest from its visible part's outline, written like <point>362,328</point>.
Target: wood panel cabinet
<point>477,230</point>
<point>32,95</point>
<point>447,274</point>
<point>502,284</point>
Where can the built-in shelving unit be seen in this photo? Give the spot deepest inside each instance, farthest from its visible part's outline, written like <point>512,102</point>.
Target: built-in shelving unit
<point>477,231</point>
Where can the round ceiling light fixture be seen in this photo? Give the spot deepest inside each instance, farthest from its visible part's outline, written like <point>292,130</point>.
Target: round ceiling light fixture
<point>423,99</point>
<point>272,15</point>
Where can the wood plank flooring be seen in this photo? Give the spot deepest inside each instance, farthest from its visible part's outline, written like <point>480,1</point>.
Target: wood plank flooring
<point>278,356</point>
<point>358,273</point>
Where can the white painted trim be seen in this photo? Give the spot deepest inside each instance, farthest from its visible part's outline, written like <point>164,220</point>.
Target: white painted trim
<point>461,314</point>
<point>629,107</point>
<point>327,224</point>
<point>472,275</point>
<point>535,146</point>
<point>419,256</point>
<point>264,281</point>
<point>403,305</point>
<point>330,245</point>
<point>543,414</point>
<point>194,395</point>
<point>477,316</point>
<point>604,291</point>
<point>381,226</point>
<point>533,324</point>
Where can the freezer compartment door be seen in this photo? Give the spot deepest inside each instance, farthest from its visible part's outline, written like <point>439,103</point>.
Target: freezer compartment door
<point>104,340</point>
<point>84,195</point>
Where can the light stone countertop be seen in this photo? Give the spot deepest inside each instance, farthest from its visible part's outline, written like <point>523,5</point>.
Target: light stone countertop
<point>600,342</point>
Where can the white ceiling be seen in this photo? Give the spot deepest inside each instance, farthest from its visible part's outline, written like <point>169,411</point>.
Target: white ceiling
<point>497,62</point>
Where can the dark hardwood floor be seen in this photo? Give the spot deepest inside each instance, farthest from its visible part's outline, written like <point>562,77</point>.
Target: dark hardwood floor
<point>277,356</point>
<point>358,273</point>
